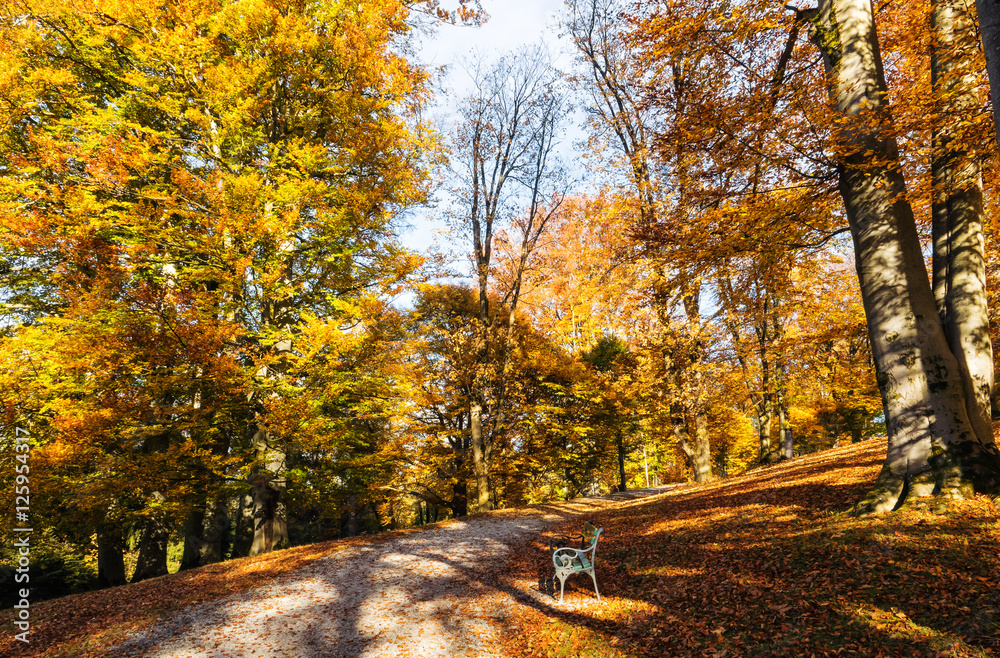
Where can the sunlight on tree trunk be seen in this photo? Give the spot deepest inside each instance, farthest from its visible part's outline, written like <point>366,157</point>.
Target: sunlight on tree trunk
<point>932,446</point>
<point>959,263</point>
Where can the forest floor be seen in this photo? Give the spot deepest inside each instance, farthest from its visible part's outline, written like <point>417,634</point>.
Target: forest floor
<point>770,563</point>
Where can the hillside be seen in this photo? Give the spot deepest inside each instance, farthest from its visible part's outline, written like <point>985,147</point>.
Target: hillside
<point>769,563</point>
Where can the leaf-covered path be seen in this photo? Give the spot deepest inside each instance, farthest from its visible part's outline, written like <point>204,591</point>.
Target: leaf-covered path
<point>422,594</point>
<point>431,593</point>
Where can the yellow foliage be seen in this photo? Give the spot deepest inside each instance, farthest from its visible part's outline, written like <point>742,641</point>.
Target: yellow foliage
<point>735,444</point>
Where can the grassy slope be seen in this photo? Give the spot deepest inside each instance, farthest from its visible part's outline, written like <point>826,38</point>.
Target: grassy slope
<point>769,563</point>
<point>772,564</point>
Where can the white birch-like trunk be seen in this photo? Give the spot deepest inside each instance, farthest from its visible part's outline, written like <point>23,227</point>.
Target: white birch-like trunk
<point>989,27</point>
<point>959,262</point>
<point>932,447</point>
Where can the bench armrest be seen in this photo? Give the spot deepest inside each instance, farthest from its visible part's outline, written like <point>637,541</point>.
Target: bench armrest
<point>555,539</point>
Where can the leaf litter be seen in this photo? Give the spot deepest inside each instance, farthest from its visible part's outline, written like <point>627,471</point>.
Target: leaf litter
<point>770,563</point>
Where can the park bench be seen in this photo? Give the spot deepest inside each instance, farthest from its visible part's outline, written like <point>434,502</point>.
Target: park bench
<point>568,561</point>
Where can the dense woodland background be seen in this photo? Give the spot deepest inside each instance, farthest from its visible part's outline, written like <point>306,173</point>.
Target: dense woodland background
<point>219,345</point>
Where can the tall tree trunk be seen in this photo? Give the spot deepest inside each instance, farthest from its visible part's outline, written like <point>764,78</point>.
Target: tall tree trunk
<point>267,486</point>
<point>959,262</point>
<point>764,412</point>
<point>989,26</point>
<point>154,531</point>
<point>216,529</point>
<point>681,434</point>
<point>932,446</point>
<point>695,449</point>
<point>460,498</point>
<point>244,531</point>
<point>204,534</point>
<point>193,537</point>
<point>701,458</point>
<point>786,441</point>
<point>620,443</point>
<point>784,427</point>
<point>152,559</point>
<point>270,529</point>
<point>696,396</point>
<point>480,464</point>
<point>110,556</point>
<point>769,451</point>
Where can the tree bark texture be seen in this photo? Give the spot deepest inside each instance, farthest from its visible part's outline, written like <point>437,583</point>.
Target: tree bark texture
<point>697,449</point>
<point>959,262</point>
<point>110,557</point>
<point>270,525</point>
<point>932,447</point>
<point>152,560</point>
<point>244,531</point>
<point>480,458</point>
<point>989,27</point>
<point>765,417</point>
<point>270,529</point>
<point>204,532</point>
<point>702,453</point>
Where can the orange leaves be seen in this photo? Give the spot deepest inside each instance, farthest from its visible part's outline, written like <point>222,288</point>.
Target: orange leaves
<point>185,186</point>
<point>578,288</point>
<point>763,564</point>
<point>731,572</point>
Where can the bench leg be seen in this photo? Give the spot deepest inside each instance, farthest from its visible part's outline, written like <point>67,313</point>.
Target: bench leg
<point>562,585</point>
<point>594,578</point>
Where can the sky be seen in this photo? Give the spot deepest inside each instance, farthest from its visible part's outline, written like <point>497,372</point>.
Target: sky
<point>511,24</point>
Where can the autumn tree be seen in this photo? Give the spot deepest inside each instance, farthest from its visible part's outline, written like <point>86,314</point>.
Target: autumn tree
<point>189,195</point>
<point>507,175</point>
<point>753,320</point>
<point>613,368</point>
<point>529,425</point>
<point>785,143</point>
<point>615,81</point>
<point>933,446</point>
<point>959,263</point>
<point>989,27</point>
<point>580,287</point>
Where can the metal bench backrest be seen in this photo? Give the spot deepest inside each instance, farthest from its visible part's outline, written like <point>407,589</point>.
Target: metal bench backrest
<point>591,535</point>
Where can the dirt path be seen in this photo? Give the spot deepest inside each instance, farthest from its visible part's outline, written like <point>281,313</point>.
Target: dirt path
<point>429,593</point>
